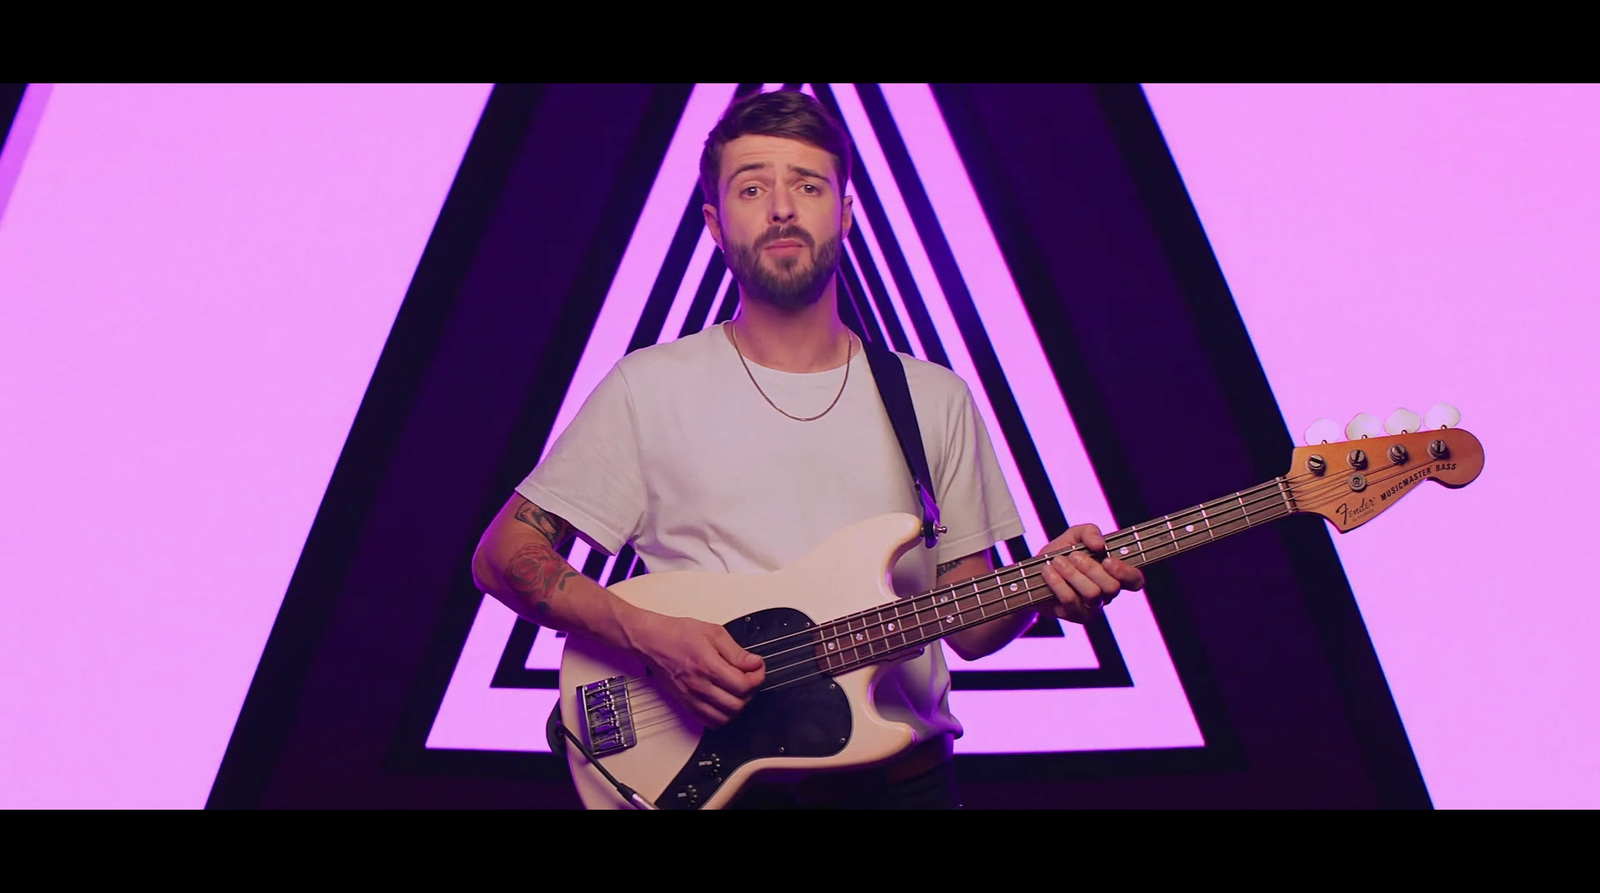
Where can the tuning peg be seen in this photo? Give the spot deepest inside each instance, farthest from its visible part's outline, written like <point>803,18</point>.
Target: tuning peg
<point>1402,421</point>
<point>1322,431</point>
<point>1363,425</point>
<point>1443,415</point>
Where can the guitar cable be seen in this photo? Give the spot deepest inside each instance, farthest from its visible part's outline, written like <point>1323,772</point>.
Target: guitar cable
<point>627,793</point>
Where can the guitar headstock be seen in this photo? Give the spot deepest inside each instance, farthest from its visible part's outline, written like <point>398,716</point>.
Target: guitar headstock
<point>1352,481</point>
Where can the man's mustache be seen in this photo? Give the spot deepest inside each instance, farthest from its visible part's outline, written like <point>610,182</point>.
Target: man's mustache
<point>785,232</point>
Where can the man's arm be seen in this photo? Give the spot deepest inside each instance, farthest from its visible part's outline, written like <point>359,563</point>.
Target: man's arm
<point>517,563</point>
<point>985,638</point>
<point>1081,585</point>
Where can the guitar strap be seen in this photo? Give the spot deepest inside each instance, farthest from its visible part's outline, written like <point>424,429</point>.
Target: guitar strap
<point>890,375</point>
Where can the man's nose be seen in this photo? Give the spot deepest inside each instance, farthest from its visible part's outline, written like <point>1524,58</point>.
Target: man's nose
<point>782,208</point>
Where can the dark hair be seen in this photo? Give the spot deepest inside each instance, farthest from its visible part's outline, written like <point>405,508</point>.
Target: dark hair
<point>785,113</point>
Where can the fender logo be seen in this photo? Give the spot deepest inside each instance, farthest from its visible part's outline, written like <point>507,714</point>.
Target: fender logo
<point>1356,514</point>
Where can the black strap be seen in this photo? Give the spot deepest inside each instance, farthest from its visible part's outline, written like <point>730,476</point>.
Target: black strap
<point>890,375</point>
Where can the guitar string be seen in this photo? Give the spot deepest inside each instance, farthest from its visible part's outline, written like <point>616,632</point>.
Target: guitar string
<point>1379,478</point>
<point>644,701</point>
<point>811,639</point>
<point>1268,493</point>
<point>1230,507</point>
<point>1236,511</point>
<point>650,715</point>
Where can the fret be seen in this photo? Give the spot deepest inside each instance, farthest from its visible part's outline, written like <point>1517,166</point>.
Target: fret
<point>1207,519</point>
<point>945,610</point>
<point>832,658</point>
<point>1134,554</point>
<point>1008,589</point>
<point>858,640</point>
<point>893,629</point>
<point>1151,552</point>
<point>1019,589</point>
<point>871,626</point>
<point>881,633</point>
<point>914,629</point>
<point>1288,500</point>
<point>1243,507</point>
<point>977,596</point>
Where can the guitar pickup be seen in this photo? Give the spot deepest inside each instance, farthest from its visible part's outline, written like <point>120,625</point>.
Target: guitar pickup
<point>607,716</point>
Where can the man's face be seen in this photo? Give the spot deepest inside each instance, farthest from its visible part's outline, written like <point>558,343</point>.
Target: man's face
<point>782,221</point>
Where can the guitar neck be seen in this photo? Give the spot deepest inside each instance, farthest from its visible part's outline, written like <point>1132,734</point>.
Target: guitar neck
<point>876,634</point>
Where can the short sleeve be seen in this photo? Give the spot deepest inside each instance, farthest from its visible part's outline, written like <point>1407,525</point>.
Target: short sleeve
<point>592,476</point>
<point>975,504</point>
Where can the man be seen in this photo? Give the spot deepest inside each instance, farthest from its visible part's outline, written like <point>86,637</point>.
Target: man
<point>738,449</point>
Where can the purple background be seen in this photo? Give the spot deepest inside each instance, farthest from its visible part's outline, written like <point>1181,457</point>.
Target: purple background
<point>1396,246</point>
<point>197,282</point>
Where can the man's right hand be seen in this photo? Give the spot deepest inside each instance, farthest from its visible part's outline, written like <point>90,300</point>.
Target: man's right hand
<point>701,665</point>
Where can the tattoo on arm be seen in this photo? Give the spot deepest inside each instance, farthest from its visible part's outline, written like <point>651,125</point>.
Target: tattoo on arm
<point>980,563</point>
<point>539,570</point>
<point>551,527</point>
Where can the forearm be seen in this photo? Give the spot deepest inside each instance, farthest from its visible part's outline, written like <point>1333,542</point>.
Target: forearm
<point>531,578</point>
<point>517,563</point>
<point>987,638</point>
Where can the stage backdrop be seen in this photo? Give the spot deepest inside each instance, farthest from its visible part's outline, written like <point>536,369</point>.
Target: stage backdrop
<point>199,284</point>
<point>196,283</point>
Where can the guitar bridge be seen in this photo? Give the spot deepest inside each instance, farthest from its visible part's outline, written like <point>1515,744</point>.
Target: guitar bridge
<point>607,716</point>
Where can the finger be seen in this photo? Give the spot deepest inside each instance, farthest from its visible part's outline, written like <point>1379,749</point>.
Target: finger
<point>1097,574</point>
<point>709,715</point>
<point>1085,576</point>
<point>730,679</point>
<point>1089,535</point>
<point>713,692</point>
<point>734,654</point>
<point>1069,605</point>
<point>1131,578</point>
<point>1055,607</point>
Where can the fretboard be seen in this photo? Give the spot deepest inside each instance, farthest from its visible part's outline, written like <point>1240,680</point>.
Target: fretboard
<point>881,632</point>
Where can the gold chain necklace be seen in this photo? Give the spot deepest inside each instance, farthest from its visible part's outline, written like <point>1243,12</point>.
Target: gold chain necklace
<point>735,336</point>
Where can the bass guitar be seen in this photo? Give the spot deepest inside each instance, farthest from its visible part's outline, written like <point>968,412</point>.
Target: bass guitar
<point>829,623</point>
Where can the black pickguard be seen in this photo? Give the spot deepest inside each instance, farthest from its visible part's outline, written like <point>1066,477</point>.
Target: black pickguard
<point>807,717</point>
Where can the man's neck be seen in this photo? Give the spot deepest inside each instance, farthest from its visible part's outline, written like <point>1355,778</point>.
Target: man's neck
<point>811,339</point>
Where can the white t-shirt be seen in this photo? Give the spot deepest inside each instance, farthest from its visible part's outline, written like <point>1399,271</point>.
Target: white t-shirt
<point>676,453</point>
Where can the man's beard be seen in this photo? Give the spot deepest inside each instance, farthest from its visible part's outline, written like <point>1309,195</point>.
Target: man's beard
<point>789,287</point>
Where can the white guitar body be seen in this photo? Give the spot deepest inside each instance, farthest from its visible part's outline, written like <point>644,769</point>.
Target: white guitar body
<point>672,761</point>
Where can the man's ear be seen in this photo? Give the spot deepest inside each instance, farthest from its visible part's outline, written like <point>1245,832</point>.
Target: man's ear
<point>712,223</point>
<point>849,215</point>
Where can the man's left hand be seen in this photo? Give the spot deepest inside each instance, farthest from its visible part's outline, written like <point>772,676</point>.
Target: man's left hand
<point>1082,585</point>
